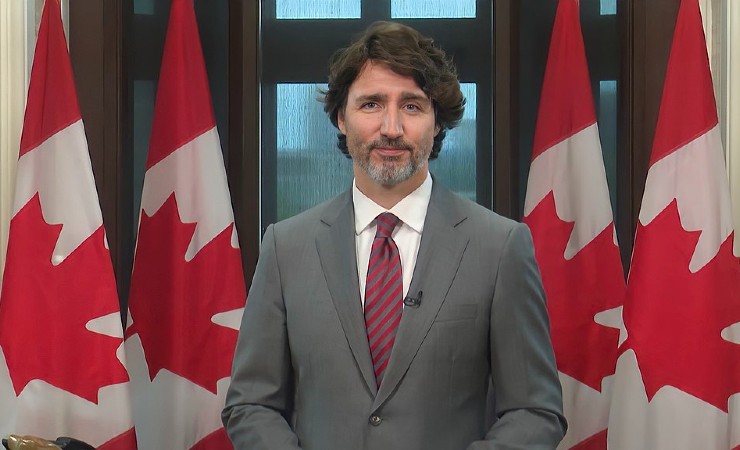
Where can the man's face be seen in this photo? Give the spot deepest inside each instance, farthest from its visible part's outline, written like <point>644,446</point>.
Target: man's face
<point>390,126</point>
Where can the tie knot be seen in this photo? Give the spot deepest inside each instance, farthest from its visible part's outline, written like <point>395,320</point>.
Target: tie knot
<point>386,224</point>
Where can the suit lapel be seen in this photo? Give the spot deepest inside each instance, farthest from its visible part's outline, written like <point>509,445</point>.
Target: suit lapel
<point>439,256</point>
<point>337,252</point>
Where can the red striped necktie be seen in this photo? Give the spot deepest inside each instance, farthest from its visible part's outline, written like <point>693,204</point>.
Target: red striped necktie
<point>383,294</point>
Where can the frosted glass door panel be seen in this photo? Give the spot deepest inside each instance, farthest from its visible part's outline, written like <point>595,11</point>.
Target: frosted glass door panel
<point>455,166</point>
<point>432,9</point>
<point>310,167</point>
<point>317,9</point>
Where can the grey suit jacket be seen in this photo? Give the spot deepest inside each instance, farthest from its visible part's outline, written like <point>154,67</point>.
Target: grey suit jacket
<point>303,375</point>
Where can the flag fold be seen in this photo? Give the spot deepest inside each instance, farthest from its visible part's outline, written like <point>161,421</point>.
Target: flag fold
<point>568,209</point>
<point>187,289</point>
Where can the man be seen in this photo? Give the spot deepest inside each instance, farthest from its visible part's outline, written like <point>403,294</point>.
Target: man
<point>368,330</point>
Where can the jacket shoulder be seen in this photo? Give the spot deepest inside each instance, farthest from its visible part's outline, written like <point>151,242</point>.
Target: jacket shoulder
<point>305,224</point>
<point>472,216</point>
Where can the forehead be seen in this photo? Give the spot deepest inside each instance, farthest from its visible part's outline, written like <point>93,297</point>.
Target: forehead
<point>378,78</point>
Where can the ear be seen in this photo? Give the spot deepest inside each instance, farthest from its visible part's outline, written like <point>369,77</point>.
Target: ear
<point>340,122</point>
<point>437,129</point>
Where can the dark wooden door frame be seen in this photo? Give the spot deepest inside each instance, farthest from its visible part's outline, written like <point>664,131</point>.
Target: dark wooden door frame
<point>97,49</point>
<point>647,32</point>
<point>506,112</point>
<point>244,127</point>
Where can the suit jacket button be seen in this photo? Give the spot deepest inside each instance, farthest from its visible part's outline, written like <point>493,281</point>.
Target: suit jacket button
<point>375,420</point>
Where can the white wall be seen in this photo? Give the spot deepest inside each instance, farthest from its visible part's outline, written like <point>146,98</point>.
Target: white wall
<point>722,29</point>
<point>14,62</point>
<point>732,109</point>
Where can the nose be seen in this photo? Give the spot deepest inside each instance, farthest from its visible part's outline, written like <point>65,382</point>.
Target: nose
<point>392,126</point>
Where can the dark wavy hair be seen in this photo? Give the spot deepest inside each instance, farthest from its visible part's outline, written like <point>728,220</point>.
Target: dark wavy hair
<point>407,52</point>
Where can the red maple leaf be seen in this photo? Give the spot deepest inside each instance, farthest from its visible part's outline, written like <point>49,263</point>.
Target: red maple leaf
<point>674,318</point>
<point>577,289</point>
<point>172,301</point>
<point>45,308</point>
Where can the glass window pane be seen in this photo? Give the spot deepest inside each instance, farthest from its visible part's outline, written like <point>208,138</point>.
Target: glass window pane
<point>310,167</point>
<point>144,7</point>
<point>608,131</point>
<point>608,7</point>
<point>455,166</point>
<point>317,9</point>
<point>427,9</point>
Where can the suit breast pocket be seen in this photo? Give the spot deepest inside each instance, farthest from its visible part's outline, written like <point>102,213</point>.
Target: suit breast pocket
<point>454,330</point>
<point>449,313</point>
<point>458,340</point>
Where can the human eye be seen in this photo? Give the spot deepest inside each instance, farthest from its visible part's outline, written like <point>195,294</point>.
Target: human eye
<point>412,107</point>
<point>369,105</point>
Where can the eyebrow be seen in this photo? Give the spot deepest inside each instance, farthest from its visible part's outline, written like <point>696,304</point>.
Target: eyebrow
<point>405,96</point>
<point>413,96</point>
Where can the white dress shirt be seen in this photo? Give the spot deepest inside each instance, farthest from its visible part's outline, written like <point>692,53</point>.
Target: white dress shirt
<point>412,210</point>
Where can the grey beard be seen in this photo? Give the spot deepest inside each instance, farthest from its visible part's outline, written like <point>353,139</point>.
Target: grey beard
<point>388,173</point>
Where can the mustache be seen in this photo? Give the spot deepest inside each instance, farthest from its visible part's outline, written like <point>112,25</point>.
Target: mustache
<point>396,144</point>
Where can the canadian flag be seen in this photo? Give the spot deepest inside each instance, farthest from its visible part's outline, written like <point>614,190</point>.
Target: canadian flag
<point>187,289</point>
<point>62,365</point>
<point>567,208</point>
<point>678,373</point>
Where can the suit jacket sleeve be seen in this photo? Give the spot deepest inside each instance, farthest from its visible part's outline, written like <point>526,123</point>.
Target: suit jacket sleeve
<point>258,402</point>
<point>528,397</point>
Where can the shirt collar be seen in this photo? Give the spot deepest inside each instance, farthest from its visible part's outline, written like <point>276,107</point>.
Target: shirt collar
<point>412,209</point>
